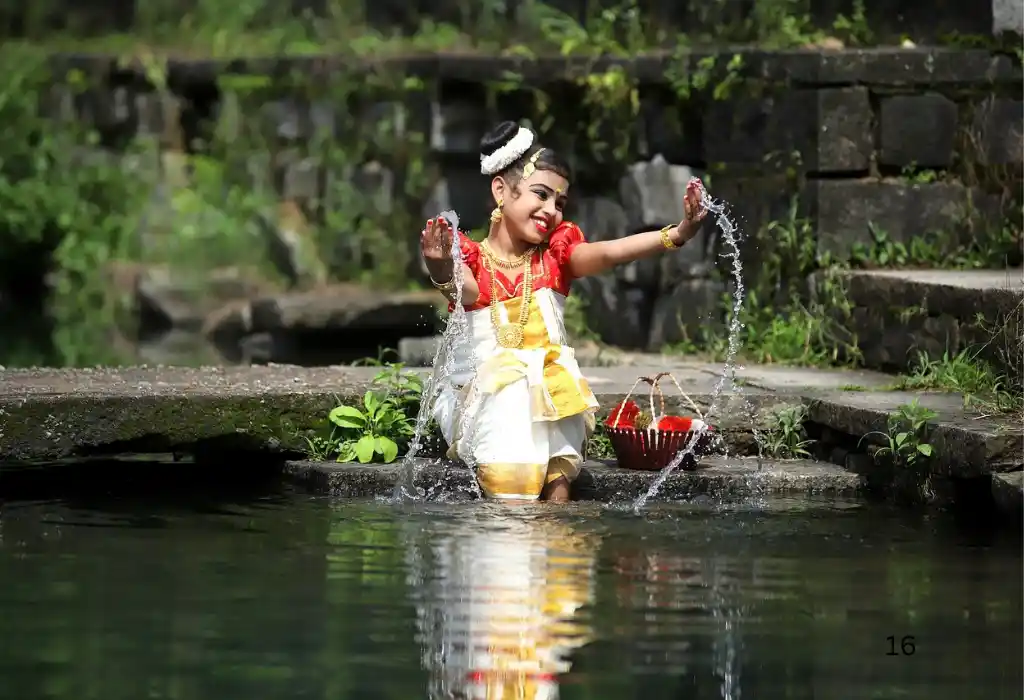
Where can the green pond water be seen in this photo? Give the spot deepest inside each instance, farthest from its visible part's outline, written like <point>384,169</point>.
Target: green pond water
<point>277,594</point>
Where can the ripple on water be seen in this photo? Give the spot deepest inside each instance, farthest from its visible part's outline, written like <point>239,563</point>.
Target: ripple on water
<point>288,596</point>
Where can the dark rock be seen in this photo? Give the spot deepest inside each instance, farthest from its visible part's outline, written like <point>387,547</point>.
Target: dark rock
<point>465,190</point>
<point>930,66</point>
<point>669,130</point>
<point>169,298</point>
<point>693,306</point>
<point>291,244</point>
<point>844,131</point>
<point>1008,493</point>
<point>918,130</point>
<point>893,339</point>
<point>328,325</point>
<point>263,348</point>
<point>748,130</point>
<point>996,131</point>
<point>178,348</point>
<point>830,129</point>
<point>418,352</point>
<point>458,126</point>
<point>846,211</point>
<point>619,314</point>
<point>652,193</point>
<point>346,307</point>
<point>603,219</point>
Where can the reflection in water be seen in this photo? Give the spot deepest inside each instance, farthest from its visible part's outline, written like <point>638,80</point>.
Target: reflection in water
<point>671,587</point>
<point>206,597</point>
<point>498,605</point>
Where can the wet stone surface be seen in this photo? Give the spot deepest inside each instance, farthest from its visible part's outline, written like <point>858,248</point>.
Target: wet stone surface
<point>1008,493</point>
<point>718,478</point>
<point>54,414</point>
<point>966,444</point>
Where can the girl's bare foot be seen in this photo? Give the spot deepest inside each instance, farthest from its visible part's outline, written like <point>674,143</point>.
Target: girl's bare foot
<point>557,491</point>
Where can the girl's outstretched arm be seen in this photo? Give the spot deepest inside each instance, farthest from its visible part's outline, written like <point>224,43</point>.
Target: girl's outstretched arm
<point>594,258</point>
<point>436,247</point>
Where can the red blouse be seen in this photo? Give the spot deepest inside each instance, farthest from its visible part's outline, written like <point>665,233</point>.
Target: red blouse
<point>550,268</point>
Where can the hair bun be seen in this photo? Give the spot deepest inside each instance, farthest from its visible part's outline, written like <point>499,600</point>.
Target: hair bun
<point>504,145</point>
<point>497,137</point>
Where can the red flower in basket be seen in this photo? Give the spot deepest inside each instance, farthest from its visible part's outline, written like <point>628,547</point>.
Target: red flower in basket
<point>675,424</point>
<point>624,415</point>
<point>678,424</point>
<point>646,442</point>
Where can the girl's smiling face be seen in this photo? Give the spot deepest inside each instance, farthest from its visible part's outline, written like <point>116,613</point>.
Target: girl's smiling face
<point>535,208</point>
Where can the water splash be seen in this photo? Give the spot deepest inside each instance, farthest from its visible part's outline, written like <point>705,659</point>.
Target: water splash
<point>456,334</point>
<point>732,237</point>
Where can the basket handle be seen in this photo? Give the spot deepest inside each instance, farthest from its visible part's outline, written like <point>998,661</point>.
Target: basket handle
<point>622,404</point>
<point>661,375</point>
<point>654,382</point>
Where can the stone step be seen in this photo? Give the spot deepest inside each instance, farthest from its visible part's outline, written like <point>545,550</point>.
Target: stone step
<point>966,443</point>
<point>899,313</point>
<point>48,414</point>
<point>1008,493</point>
<point>719,479</point>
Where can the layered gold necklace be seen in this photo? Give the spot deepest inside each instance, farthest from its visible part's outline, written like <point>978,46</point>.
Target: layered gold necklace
<point>510,335</point>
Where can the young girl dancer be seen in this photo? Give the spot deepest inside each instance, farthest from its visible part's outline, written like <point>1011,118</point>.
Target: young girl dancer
<point>516,404</point>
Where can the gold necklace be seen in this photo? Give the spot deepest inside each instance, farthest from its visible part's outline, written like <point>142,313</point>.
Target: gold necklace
<point>510,335</point>
<point>513,264</point>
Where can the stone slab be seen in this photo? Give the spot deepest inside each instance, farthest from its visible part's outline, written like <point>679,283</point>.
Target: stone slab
<point>55,413</point>
<point>917,131</point>
<point>966,443</point>
<point>885,66</point>
<point>718,479</point>
<point>1008,493</point>
<point>899,314</point>
<point>50,414</point>
<point>847,210</point>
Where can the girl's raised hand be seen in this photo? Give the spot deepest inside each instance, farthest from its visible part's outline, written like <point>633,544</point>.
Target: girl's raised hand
<point>695,211</point>
<point>436,240</point>
<point>692,207</point>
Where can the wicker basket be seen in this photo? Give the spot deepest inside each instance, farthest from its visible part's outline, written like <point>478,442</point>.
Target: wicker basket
<point>651,449</point>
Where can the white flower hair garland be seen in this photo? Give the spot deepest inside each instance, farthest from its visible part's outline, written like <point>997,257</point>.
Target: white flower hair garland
<point>507,154</point>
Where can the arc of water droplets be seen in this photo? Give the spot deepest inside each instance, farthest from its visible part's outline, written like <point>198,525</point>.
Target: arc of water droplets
<point>456,332</point>
<point>732,236</point>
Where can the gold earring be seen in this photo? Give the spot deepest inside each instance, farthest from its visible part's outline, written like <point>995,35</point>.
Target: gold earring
<point>496,212</point>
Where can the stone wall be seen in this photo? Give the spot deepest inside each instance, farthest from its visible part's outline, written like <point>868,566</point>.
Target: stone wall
<point>853,141</point>
<point>726,20</point>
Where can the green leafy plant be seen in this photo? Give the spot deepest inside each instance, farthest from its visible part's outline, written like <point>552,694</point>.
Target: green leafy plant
<point>400,386</point>
<point>599,446</point>
<point>382,426</point>
<point>786,438</point>
<point>905,438</point>
<point>370,432</point>
<point>967,374</point>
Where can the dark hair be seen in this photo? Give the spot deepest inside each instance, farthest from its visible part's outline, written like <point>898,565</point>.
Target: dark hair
<point>548,160</point>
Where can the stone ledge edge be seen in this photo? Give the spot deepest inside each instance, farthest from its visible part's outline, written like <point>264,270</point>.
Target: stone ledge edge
<point>879,66</point>
<point>719,479</point>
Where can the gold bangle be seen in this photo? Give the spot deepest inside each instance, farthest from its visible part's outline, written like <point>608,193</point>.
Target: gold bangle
<point>666,240</point>
<point>444,287</point>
